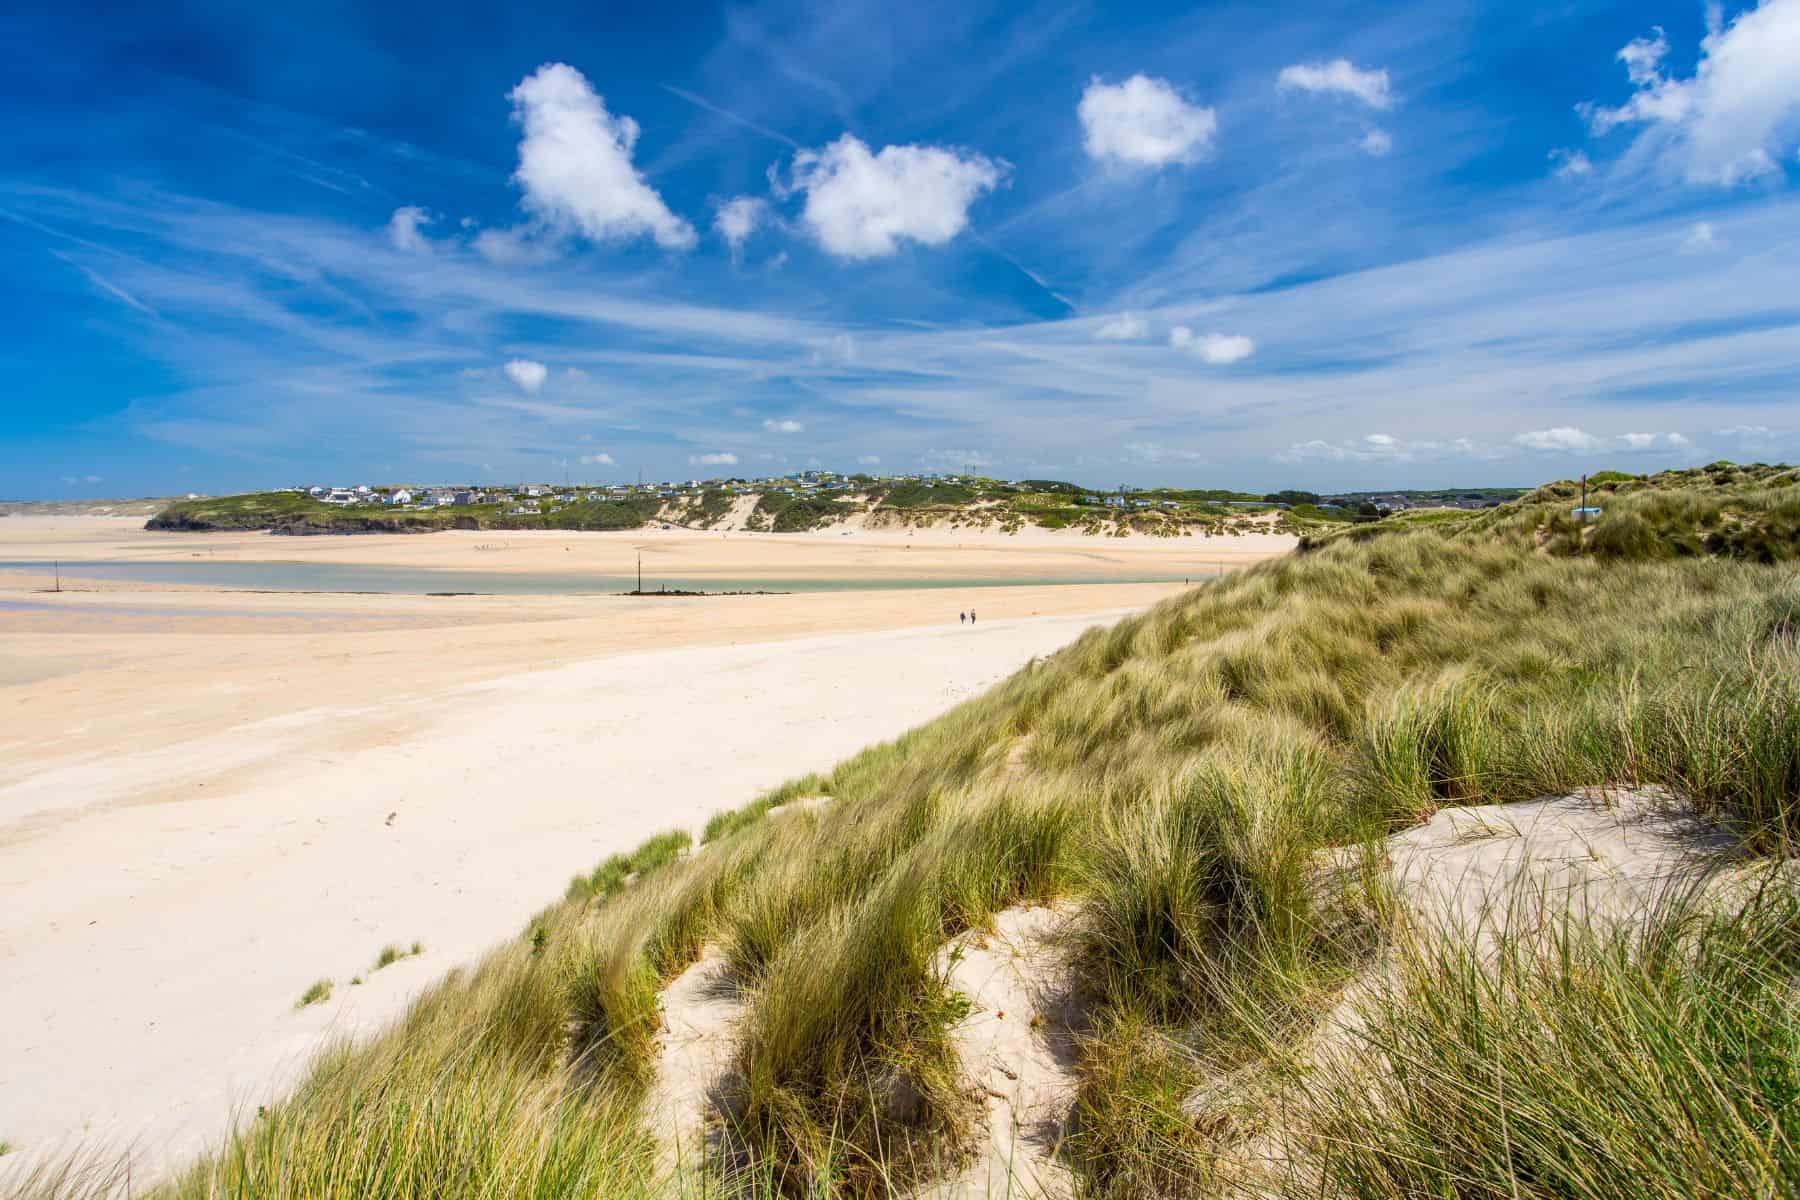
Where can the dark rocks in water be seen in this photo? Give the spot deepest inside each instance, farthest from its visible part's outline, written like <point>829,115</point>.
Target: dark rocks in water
<point>307,527</point>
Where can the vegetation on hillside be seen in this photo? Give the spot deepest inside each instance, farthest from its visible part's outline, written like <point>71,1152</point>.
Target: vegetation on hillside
<point>962,502</point>
<point>1171,783</point>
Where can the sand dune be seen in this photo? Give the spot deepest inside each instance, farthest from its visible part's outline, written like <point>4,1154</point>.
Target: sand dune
<point>209,799</point>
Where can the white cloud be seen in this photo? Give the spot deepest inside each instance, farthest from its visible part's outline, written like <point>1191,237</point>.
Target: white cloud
<point>527,374</point>
<point>575,164</point>
<point>1381,447</point>
<point>1566,439</point>
<point>840,350</point>
<point>1749,433</point>
<point>863,205</point>
<point>1377,142</point>
<point>74,479</point>
<point>1563,439</point>
<point>602,460</point>
<point>1144,122</point>
<point>403,229</point>
<point>1700,238</point>
<point>1736,115</point>
<point>774,426</point>
<point>737,219</point>
<point>1571,164</point>
<point>514,247</point>
<point>1126,327</point>
<point>1340,76</point>
<point>721,459</point>
<point>869,460</point>
<point>1643,57</point>
<point>1215,349</point>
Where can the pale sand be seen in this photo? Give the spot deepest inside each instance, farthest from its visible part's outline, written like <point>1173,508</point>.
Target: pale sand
<point>196,786</point>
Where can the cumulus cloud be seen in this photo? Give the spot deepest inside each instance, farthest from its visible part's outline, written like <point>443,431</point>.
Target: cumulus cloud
<point>1701,237</point>
<point>720,459</point>
<point>1740,110</point>
<point>1377,142</point>
<point>575,164</point>
<point>1144,122</point>
<point>1562,439</point>
<point>737,218</point>
<point>1753,433</point>
<point>1215,349</point>
<point>1340,77</point>
<point>528,375</point>
<point>1567,439</point>
<point>1571,164</point>
<point>602,460</point>
<point>1126,327</point>
<point>403,229</point>
<point>869,460</point>
<point>861,204</point>
<point>774,426</point>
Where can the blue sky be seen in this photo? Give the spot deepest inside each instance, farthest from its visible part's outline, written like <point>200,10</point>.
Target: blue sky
<point>1231,244</point>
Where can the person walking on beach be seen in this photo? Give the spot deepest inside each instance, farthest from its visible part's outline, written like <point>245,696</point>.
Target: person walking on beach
<point>971,616</point>
<point>962,618</point>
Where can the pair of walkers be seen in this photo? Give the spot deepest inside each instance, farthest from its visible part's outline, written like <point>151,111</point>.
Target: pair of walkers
<point>968,617</point>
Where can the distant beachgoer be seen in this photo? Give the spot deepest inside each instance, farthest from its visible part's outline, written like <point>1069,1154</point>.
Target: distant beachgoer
<point>962,618</point>
<point>971,616</point>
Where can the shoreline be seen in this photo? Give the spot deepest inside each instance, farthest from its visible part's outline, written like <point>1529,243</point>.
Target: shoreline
<point>297,844</point>
<point>210,798</point>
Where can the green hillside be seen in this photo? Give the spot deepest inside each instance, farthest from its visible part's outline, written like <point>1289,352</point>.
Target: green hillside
<point>1204,795</point>
<point>779,506</point>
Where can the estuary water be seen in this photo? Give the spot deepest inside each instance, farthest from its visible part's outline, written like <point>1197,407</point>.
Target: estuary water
<point>424,581</point>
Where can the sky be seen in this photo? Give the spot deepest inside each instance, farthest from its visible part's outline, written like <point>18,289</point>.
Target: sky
<point>1346,245</point>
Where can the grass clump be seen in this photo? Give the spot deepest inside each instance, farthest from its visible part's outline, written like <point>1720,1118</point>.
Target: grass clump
<point>1660,1061</point>
<point>317,992</point>
<point>391,954</point>
<point>611,876</point>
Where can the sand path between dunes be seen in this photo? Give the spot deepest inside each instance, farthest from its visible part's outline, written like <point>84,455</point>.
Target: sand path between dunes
<point>165,901</point>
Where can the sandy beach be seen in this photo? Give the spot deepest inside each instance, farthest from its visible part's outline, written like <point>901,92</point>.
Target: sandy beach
<point>209,799</point>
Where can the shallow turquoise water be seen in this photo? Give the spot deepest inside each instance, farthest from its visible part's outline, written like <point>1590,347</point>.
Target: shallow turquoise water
<point>418,581</point>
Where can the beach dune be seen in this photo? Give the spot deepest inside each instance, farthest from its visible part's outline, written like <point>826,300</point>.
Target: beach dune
<point>211,799</point>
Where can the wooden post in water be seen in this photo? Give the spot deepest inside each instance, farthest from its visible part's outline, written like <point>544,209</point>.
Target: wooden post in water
<point>640,586</point>
<point>57,562</point>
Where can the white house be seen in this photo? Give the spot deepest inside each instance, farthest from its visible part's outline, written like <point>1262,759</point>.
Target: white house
<point>400,496</point>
